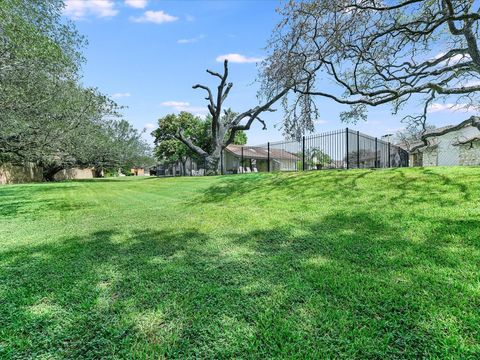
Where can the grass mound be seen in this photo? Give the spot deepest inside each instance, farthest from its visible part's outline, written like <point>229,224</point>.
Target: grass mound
<point>344,264</point>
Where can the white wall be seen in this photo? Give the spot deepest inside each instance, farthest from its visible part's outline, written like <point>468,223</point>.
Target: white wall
<point>10,174</point>
<point>74,173</point>
<point>447,154</point>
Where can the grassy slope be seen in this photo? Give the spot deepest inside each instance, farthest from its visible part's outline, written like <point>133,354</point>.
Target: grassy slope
<point>350,264</point>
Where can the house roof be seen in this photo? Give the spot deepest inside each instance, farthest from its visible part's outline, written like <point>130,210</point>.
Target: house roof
<point>251,152</point>
<point>468,140</point>
<point>472,121</point>
<point>439,131</point>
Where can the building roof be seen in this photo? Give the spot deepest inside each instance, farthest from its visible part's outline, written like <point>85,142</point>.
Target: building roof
<point>439,131</point>
<point>472,121</point>
<point>468,140</point>
<point>252,152</point>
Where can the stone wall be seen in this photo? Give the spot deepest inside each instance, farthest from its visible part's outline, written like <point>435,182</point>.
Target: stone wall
<point>415,159</point>
<point>470,154</point>
<point>75,173</point>
<point>11,174</point>
<point>430,157</point>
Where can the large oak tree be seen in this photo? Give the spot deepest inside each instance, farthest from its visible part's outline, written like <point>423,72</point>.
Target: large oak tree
<point>169,149</point>
<point>373,52</point>
<point>224,123</point>
<point>46,116</point>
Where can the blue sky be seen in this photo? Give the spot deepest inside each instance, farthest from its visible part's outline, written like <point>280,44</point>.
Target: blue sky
<point>147,54</point>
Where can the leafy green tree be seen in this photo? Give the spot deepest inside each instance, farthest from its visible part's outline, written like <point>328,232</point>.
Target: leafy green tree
<point>318,158</point>
<point>226,124</point>
<point>36,47</point>
<point>129,147</point>
<point>240,138</point>
<point>47,117</point>
<point>169,149</point>
<point>172,151</point>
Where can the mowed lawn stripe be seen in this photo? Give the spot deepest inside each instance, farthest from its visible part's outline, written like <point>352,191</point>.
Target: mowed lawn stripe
<point>340,264</point>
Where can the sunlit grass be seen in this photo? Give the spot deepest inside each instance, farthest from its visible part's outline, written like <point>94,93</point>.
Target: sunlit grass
<point>350,264</point>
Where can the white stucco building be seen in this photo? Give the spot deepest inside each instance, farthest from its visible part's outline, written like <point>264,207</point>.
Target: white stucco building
<point>449,146</point>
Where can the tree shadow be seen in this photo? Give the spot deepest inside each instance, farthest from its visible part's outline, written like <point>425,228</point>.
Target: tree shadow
<point>35,200</point>
<point>449,181</point>
<point>289,183</point>
<point>346,285</point>
<point>113,179</point>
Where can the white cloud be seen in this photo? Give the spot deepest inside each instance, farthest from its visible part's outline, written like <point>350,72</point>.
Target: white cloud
<point>138,4</point>
<point>149,126</point>
<point>437,107</point>
<point>157,17</point>
<point>175,104</point>
<point>187,41</point>
<point>185,106</point>
<point>79,9</point>
<point>120,95</point>
<point>190,40</point>
<point>395,130</point>
<point>237,58</point>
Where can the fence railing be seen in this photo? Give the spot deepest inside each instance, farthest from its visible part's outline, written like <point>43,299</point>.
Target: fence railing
<point>339,149</point>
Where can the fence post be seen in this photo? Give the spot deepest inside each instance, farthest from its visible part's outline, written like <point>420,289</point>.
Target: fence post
<point>376,152</point>
<point>346,142</point>
<point>303,153</point>
<point>268,156</point>
<point>358,149</point>
<point>241,162</point>
<point>389,160</point>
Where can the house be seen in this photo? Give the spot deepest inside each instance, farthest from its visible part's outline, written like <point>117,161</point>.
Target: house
<point>257,159</point>
<point>17,174</point>
<point>75,174</point>
<point>138,171</point>
<point>449,146</point>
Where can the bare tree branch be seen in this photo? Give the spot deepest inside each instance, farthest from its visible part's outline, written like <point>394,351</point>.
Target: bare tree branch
<point>230,125</point>
<point>375,52</point>
<point>189,143</point>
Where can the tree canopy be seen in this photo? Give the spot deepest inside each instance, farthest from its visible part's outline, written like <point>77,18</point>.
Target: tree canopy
<point>169,149</point>
<point>47,116</point>
<point>372,53</point>
<point>225,123</point>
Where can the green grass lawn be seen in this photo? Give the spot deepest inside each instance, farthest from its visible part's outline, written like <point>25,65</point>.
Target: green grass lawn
<point>330,264</point>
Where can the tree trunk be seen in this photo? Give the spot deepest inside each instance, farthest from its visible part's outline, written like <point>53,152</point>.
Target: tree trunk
<point>99,172</point>
<point>184,168</point>
<point>50,171</point>
<point>213,163</point>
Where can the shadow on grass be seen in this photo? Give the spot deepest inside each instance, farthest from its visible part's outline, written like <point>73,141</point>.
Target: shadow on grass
<point>113,179</point>
<point>449,181</point>
<point>38,199</point>
<point>345,286</point>
<point>289,183</point>
<point>397,185</point>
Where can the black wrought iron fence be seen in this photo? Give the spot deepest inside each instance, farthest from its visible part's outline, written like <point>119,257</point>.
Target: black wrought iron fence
<point>339,149</point>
